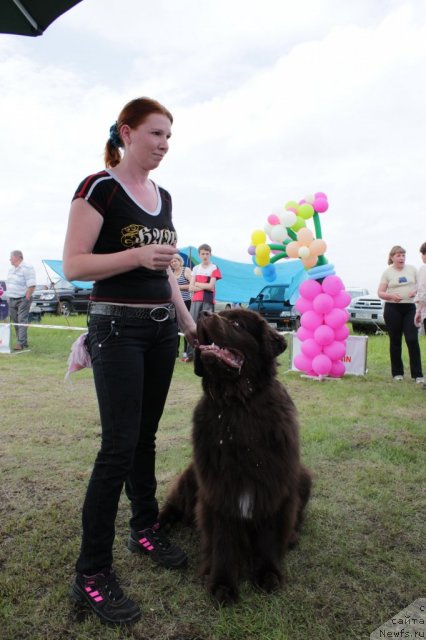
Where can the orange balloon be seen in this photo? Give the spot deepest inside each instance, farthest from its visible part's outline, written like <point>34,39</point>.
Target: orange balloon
<point>309,262</point>
<point>305,236</point>
<point>318,247</point>
<point>292,249</point>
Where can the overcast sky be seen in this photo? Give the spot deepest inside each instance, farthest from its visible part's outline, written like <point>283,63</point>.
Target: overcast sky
<point>272,101</point>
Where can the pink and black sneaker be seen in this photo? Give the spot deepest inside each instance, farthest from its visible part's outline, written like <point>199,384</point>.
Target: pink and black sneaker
<point>102,594</point>
<point>155,543</point>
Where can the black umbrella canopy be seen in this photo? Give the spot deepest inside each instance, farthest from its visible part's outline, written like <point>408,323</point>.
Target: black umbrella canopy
<point>31,17</point>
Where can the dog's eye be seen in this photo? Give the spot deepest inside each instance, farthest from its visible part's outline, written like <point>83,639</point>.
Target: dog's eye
<point>235,323</point>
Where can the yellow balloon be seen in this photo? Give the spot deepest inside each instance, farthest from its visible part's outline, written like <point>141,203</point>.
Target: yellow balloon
<point>305,236</point>
<point>258,237</point>
<point>262,255</point>
<point>298,224</point>
<point>305,211</point>
<point>292,204</point>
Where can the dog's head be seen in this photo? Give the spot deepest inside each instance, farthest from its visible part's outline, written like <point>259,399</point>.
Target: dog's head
<point>234,344</point>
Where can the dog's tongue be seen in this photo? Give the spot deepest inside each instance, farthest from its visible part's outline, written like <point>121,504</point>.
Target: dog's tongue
<point>231,357</point>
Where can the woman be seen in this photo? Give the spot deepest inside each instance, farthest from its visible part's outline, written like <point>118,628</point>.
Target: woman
<point>398,287</point>
<point>183,277</point>
<point>120,234</point>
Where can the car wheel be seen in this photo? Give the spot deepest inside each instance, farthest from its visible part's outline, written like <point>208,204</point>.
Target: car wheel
<point>65,308</point>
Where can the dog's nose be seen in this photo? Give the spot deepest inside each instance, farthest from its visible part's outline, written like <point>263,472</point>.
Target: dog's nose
<point>204,314</point>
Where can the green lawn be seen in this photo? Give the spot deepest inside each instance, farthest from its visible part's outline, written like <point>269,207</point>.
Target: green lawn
<point>361,556</point>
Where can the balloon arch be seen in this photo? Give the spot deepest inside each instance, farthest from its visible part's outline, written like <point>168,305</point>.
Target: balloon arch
<point>323,300</point>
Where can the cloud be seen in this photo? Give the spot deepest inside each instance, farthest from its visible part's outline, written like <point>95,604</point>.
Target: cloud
<point>270,102</point>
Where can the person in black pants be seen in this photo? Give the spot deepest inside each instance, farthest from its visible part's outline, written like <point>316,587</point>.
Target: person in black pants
<point>398,286</point>
<point>121,235</point>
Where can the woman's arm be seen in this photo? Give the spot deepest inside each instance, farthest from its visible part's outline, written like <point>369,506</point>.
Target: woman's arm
<point>79,263</point>
<point>185,320</point>
<point>384,295</point>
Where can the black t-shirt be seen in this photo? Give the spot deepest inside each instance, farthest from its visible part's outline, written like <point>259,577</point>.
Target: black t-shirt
<point>127,225</point>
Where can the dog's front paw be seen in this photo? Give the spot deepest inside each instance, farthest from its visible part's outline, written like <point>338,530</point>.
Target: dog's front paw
<point>268,580</point>
<point>224,594</point>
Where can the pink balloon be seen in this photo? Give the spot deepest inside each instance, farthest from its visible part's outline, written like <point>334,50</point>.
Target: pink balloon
<point>320,194</point>
<point>311,320</point>
<point>324,335</point>
<point>303,304</point>
<point>302,362</point>
<point>336,318</point>
<point>321,365</point>
<point>335,350</point>
<point>332,285</point>
<point>342,299</point>
<point>304,334</point>
<point>323,303</point>
<point>310,289</point>
<point>337,369</point>
<point>320,205</point>
<point>273,219</point>
<point>311,348</point>
<point>341,333</point>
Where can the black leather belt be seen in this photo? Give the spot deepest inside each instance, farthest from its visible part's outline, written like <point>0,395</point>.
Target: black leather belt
<point>158,314</point>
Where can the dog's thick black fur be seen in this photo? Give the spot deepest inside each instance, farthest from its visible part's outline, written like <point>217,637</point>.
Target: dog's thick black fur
<point>246,487</point>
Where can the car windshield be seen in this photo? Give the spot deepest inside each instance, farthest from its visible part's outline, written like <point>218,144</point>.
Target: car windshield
<point>274,294</point>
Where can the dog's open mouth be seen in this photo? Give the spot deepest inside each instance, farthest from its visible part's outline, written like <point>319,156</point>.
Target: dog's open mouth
<point>231,357</point>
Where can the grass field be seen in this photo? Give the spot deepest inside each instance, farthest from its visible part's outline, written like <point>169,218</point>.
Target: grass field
<point>361,556</point>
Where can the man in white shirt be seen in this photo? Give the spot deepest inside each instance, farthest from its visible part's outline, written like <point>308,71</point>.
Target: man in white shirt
<point>20,285</point>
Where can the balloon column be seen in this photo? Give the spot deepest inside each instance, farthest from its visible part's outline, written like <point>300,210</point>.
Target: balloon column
<point>323,299</point>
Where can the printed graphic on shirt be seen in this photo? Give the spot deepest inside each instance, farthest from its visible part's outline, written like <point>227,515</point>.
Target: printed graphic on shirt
<point>137,235</point>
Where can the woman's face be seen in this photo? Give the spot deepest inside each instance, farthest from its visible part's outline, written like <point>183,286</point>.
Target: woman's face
<point>149,142</point>
<point>423,257</point>
<point>398,259</point>
<point>175,264</point>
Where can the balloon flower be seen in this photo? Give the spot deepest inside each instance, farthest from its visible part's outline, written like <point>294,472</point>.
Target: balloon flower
<point>289,237</point>
<point>323,300</point>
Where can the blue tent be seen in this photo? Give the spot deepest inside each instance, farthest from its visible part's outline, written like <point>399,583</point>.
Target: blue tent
<point>238,283</point>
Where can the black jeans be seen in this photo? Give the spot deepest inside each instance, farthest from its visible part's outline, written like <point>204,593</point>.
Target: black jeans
<point>399,320</point>
<point>133,361</point>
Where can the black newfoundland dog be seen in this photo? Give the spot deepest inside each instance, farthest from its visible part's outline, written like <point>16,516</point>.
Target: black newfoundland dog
<point>246,487</point>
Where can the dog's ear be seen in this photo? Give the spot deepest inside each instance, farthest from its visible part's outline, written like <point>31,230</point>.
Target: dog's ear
<point>277,342</point>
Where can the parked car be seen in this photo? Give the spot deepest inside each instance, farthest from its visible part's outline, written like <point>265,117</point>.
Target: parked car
<point>272,303</point>
<point>366,314</point>
<point>355,292</point>
<point>62,297</point>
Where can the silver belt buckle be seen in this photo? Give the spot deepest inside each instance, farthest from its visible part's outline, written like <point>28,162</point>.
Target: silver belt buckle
<point>159,314</point>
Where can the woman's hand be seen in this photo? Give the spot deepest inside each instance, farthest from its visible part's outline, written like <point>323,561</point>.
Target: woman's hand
<point>155,256</point>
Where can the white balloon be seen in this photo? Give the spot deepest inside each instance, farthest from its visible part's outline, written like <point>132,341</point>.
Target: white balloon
<point>268,228</point>
<point>304,252</point>
<point>257,271</point>
<point>278,233</point>
<point>309,199</point>
<point>288,218</point>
